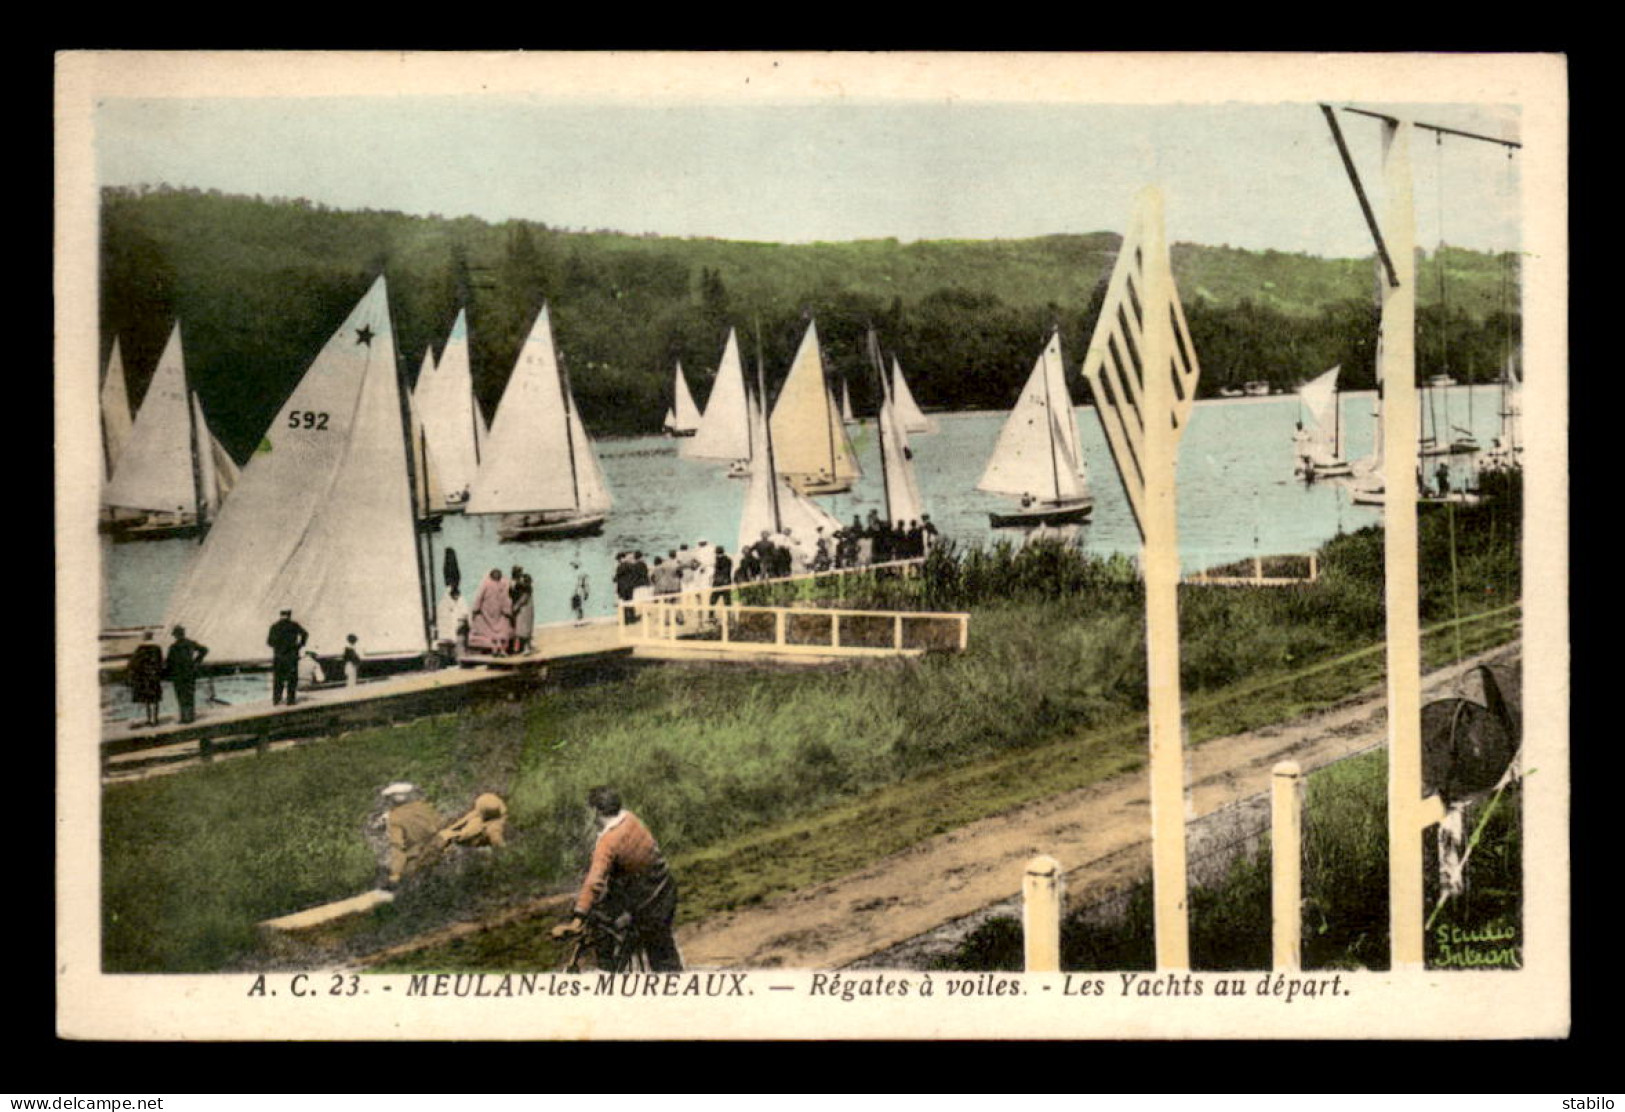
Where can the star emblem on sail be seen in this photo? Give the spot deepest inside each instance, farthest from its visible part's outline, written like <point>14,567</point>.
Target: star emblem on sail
<point>324,524</point>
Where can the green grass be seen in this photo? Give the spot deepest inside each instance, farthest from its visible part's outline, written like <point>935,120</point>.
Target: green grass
<point>755,783</point>
<point>1345,894</point>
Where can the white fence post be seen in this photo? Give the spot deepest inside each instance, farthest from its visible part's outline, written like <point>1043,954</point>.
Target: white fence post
<point>1041,914</point>
<point>1286,864</point>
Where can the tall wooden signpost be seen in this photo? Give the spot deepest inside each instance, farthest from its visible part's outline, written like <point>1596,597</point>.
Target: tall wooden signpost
<point>1395,240</point>
<point>1142,370</point>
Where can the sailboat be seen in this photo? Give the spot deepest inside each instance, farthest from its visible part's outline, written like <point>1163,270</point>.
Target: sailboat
<point>1037,456</point>
<point>1320,448</point>
<point>322,520</point>
<point>725,427</point>
<point>900,487</point>
<point>172,468</point>
<point>811,446</point>
<point>847,416</point>
<point>115,400</point>
<point>772,503</point>
<point>451,416</point>
<point>539,471</point>
<point>1507,451</point>
<point>683,418</point>
<point>903,401</point>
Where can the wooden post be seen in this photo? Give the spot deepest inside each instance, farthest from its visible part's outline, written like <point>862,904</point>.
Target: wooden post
<point>1314,567</point>
<point>1161,548</point>
<point>778,626</point>
<point>1258,569</point>
<point>1397,370</point>
<point>1286,864</point>
<point>1041,914</point>
<point>897,633</point>
<point>835,631</point>
<point>725,614</point>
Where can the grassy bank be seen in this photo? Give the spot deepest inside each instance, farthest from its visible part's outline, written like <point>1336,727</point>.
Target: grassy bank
<point>1345,896</point>
<point>755,783</point>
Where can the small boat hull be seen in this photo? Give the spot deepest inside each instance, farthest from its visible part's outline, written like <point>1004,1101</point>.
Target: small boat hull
<point>154,530</point>
<point>828,486</point>
<point>1043,513</point>
<point>527,527</point>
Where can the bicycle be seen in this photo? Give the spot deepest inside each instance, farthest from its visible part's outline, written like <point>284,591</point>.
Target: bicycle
<point>611,947</point>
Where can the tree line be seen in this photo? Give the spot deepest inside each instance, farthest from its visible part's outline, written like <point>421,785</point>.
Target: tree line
<point>258,286</point>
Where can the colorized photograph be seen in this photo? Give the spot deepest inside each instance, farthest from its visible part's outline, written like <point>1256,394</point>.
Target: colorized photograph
<point>933,534</point>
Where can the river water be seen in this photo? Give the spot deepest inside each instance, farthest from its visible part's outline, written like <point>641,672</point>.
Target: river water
<point>1237,498</point>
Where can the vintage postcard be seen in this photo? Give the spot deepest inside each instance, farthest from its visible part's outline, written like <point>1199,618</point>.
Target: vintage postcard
<point>888,546</point>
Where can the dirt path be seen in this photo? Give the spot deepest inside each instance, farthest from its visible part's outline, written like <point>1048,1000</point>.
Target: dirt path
<point>1100,834</point>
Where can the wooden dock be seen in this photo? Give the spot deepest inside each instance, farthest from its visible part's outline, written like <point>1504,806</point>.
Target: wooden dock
<point>562,653</point>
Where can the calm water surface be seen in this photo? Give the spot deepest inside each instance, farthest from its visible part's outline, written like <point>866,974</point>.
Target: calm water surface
<point>1237,498</point>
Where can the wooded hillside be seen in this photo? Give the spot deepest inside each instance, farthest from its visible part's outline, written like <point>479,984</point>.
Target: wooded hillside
<point>259,285</point>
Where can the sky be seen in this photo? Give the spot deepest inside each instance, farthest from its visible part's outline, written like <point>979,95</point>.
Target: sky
<point>818,169</point>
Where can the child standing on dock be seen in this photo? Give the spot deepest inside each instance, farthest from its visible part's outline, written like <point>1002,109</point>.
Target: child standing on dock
<point>352,662</point>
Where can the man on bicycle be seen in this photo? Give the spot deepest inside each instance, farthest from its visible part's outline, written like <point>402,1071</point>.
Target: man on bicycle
<point>628,884</point>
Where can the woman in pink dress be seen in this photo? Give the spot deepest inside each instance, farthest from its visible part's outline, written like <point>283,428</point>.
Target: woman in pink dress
<point>490,626</point>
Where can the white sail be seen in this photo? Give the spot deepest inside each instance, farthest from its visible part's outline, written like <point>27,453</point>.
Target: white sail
<point>1032,455</point>
<point>903,502</point>
<point>115,411</point>
<point>321,521</point>
<point>684,415</point>
<point>806,426</point>
<point>1512,412</point>
<point>1319,399</point>
<point>725,427</point>
<point>154,472</point>
<point>538,457</point>
<point>449,413</point>
<point>592,491</point>
<point>1060,399</point>
<point>794,510</point>
<point>846,404</point>
<point>217,472</point>
<point>907,412</point>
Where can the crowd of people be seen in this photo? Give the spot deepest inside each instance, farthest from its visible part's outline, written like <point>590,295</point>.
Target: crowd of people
<point>774,555</point>
<point>501,621</point>
<point>292,664</point>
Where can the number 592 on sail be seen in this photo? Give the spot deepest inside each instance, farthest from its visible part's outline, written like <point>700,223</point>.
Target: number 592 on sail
<point>306,419</point>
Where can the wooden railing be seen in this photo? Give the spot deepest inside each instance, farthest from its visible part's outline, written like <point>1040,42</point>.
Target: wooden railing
<point>691,621</point>
<point>1207,577</point>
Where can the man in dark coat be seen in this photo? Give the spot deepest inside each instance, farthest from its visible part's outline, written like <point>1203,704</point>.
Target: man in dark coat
<point>722,573</point>
<point>182,666</point>
<point>287,639</point>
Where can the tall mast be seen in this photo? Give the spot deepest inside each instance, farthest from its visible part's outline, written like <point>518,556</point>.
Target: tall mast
<point>200,514</point>
<point>403,398</point>
<point>428,537</point>
<point>880,421</point>
<point>1049,420</point>
<point>569,408</point>
<point>767,427</point>
<point>830,418</point>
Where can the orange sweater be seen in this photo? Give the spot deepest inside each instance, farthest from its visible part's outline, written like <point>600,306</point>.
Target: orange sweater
<point>624,848</point>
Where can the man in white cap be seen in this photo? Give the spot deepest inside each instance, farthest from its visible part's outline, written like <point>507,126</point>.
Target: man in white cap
<point>411,828</point>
